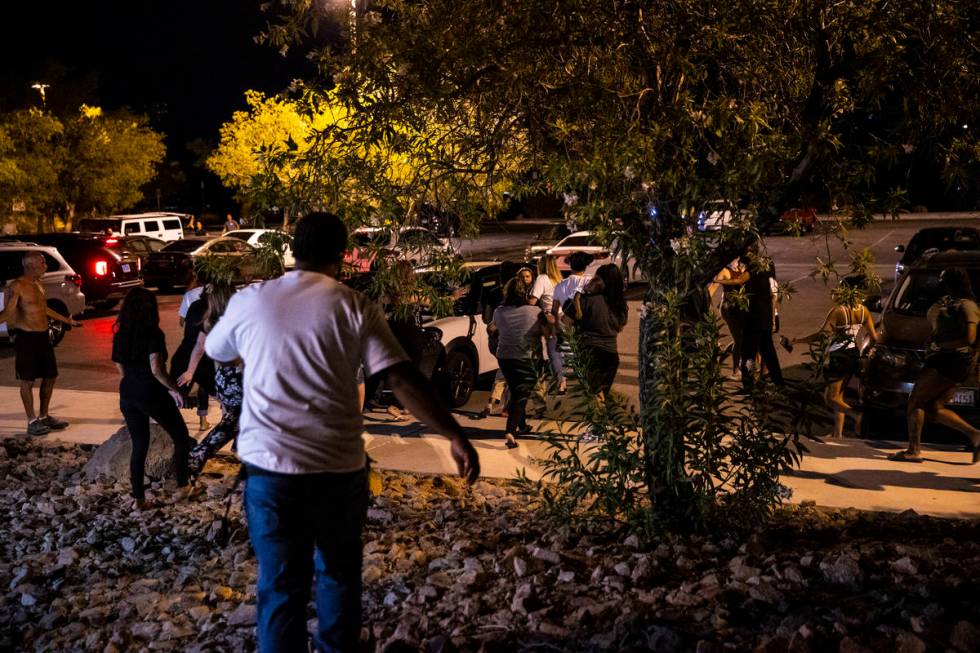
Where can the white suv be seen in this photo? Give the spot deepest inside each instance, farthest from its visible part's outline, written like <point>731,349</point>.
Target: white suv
<point>61,284</point>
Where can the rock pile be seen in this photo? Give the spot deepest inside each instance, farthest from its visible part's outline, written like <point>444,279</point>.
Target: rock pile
<point>448,568</point>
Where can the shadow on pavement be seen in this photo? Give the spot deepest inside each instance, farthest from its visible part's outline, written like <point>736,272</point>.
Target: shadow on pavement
<point>879,480</point>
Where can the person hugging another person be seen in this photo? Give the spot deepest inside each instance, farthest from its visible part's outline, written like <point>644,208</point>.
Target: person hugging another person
<point>565,290</point>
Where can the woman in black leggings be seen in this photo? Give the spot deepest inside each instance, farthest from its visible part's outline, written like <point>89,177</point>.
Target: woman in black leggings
<point>140,353</point>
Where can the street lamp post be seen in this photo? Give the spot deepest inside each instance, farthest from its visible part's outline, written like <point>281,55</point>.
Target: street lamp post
<point>41,88</point>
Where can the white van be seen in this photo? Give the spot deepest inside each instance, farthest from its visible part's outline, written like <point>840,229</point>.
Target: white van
<point>165,226</point>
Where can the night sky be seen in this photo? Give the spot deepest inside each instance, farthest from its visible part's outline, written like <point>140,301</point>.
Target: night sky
<point>184,63</point>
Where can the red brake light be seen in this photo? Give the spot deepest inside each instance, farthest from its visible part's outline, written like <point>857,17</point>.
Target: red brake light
<point>111,241</point>
<point>74,278</point>
<point>102,268</point>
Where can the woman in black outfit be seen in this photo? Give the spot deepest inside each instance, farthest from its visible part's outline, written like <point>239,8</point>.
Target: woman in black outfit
<point>140,353</point>
<point>600,313</point>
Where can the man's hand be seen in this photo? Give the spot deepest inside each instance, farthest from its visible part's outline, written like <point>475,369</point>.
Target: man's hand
<point>185,379</point>
<point>467,460</point>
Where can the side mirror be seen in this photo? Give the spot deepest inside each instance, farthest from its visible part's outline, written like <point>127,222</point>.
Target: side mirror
<point>899,248</point>
<point>874,304</point>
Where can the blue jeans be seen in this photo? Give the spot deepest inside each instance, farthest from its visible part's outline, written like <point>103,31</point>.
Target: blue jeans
<point>298,523</point>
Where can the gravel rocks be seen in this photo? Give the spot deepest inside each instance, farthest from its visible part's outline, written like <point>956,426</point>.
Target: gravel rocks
<point>451,568</point>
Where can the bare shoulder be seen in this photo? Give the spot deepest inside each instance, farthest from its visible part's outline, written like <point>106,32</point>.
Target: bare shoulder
<point>15,287</point>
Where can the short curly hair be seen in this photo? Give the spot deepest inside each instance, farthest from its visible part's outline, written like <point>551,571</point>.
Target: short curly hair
<point>320,238</point>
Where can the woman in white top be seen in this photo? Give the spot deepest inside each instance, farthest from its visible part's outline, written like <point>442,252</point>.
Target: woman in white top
<point>542,296</point>
<point>841,327</point>
<point>563,292</point>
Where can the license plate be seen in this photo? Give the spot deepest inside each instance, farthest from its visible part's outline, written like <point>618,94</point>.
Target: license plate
<point>964,397</point>
<point>125,267</point>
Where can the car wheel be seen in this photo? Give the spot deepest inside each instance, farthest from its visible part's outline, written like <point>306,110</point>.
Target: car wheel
<point>461,373</point>
<point>165,287</point>
<point>56,330</point>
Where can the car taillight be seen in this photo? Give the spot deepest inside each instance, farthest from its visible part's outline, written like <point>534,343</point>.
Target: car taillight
<point>73,278</point>
<point>111,241</point>
<point>102,268</point>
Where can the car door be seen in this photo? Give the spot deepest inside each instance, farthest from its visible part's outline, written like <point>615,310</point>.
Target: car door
<point>487,291</point>
<point>138,249</point>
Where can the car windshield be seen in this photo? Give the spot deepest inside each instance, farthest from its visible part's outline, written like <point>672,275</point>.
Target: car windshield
<point>183,246</point>
<point>921,289</point>
<point>943,240</point>
<point>99,224</point>
<point>588,240</point>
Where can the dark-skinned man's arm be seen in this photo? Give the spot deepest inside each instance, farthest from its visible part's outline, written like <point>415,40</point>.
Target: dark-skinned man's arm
<point>415,393</point>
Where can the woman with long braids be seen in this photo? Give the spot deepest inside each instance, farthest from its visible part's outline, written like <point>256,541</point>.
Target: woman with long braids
<point>227,382</point>
<point>139,351</point>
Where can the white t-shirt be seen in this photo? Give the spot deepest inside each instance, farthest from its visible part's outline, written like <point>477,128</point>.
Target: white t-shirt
<point>189,298</point>
<point>302,338</point>
<point>567,288</point>
<point>543,289</point>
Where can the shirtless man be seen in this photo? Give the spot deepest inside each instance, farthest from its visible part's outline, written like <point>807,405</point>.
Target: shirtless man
<point>26,310</point>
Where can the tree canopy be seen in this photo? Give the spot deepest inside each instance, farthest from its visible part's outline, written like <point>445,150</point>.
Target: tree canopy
<point>641,114</point>
<point>90,161</point>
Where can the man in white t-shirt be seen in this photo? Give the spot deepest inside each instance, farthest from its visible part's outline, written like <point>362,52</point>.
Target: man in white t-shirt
<point>302,338</point>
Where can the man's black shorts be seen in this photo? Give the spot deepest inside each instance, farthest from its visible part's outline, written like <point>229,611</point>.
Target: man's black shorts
<point>34,356</point>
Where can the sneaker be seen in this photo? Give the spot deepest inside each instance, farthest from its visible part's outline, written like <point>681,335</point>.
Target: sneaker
<point>54,423</point>
<point>38,427</point>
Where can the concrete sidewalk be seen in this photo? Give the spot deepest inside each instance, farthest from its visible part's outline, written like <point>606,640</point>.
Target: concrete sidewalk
<point>841,474</point>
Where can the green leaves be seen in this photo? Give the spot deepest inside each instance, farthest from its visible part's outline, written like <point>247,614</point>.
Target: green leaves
<point>92,161</point>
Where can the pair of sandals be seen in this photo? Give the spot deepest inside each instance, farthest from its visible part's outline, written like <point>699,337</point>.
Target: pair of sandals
<point>910,457</point>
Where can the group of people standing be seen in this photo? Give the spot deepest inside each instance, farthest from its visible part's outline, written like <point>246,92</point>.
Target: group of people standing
<point>549,309</point>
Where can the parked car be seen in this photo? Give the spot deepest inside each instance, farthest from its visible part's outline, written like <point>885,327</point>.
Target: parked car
<point>165,226</point>
<point>545,240</point>
<point>589,242</point>
<point>256,237</point>
<point>62,286</point>
<point>939,239</point>
<point>464,352</point>
<point>172,265</point>
<point>417,245</point>
<point>893,364</point>
<point>806,218</point>
<point>107,273</point>
<point>138,246</point>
